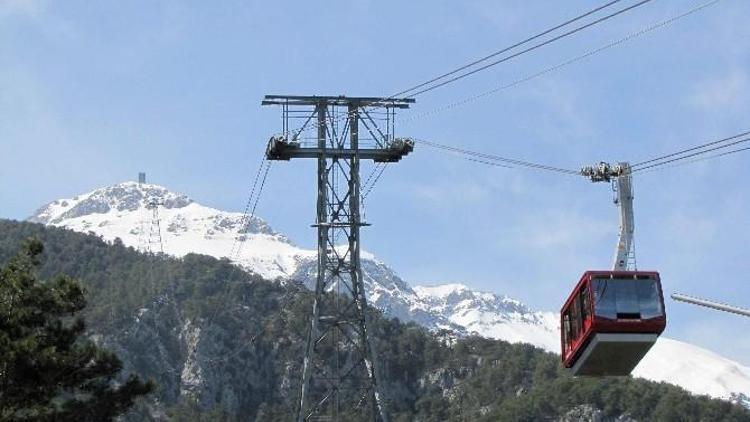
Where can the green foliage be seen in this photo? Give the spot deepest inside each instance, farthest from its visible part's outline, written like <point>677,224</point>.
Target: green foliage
<point>253,333</point>
<point>47,370</point>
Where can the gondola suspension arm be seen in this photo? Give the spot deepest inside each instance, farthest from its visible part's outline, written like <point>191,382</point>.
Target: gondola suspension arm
<point>622,185</point>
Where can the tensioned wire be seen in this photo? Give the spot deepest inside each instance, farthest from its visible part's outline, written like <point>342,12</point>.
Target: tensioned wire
<point>518,44</point>
<point>578,58</point>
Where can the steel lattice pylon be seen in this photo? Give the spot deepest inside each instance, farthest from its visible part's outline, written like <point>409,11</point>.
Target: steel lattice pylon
<point>149,241</point>
<point>339,375</point>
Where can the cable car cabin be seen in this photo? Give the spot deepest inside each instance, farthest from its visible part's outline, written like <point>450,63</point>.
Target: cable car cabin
<point>610,321</point>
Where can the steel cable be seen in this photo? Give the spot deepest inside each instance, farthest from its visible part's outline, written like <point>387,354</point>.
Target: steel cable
<point>512,56</point>
<point>710,157</point>
<point>505,50</point>
<point>484,158</point>
<point>532,48</point>
<point>695,148</point>
<point>243,219</point>
<point>255,205</point>
<point>695,154</point>
<point>560,65</point>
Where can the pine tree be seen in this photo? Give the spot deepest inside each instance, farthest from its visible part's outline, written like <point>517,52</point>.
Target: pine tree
<point>48,369</point>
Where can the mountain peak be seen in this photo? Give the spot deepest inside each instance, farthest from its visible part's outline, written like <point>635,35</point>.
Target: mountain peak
<point>178,227</point>
<point>491,315</point>
<point>453,292</point>
<point>125,196</point>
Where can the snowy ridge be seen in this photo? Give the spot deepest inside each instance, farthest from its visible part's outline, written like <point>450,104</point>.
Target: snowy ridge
<point>490,315</point>
<point>695,369</point>
<point>119,211</point>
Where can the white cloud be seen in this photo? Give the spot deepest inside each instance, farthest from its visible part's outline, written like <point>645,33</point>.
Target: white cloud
<point>724,92</point>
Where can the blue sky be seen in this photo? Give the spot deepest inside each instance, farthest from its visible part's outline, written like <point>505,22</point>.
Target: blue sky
<point>93,92</point>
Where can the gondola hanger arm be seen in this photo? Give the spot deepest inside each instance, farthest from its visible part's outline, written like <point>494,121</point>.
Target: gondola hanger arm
<point>622,185</point>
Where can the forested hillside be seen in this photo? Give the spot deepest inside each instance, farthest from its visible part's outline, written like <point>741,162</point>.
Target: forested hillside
<point>223,344</point>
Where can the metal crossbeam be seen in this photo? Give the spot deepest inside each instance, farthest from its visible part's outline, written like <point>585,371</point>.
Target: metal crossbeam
<point>339,375</point>
<point>340,100</point>
<point>280,149</point>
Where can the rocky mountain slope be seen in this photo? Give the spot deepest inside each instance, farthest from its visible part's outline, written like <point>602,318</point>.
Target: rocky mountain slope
<point>185,226</point>
<point>225,344</point>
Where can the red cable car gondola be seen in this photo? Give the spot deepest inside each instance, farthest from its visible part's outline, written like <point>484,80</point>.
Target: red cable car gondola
<point>612,318</point>
<point>610,321</point>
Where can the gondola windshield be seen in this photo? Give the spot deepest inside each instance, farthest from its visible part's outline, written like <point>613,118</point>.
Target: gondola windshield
<point>626,298</point>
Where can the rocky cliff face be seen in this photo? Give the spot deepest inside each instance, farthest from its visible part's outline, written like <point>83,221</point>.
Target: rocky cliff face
<point>586,412</point>
<point>228,359</point>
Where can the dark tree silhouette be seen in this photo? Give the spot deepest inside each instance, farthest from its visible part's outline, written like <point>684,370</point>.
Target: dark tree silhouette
<point>48,369</point>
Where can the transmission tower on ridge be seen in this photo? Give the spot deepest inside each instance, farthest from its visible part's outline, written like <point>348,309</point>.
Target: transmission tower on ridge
<point>154,242</point>
<point>142,236</point>
<point>340,380</point>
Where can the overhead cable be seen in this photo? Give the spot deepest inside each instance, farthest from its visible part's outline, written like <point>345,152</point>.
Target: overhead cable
<point>697,160</point>
<point>426,88</point>
<point>243,219</point>
<point>255,205</point>
<point>560,65</point>
<point>506,49</point>
<point>485,158</point>
<point>372,174</point>
<point>247,218</point>
<point>529,49</point>
<point>695,148</point>
<point>545,71</point>
<point>367,190</point>
<point>698,150</point>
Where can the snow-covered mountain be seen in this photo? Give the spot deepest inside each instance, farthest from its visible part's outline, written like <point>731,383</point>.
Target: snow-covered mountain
<point>694,369</point>
<point>490,315</point>
<point>121,211</point>
<point>185,226</point>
